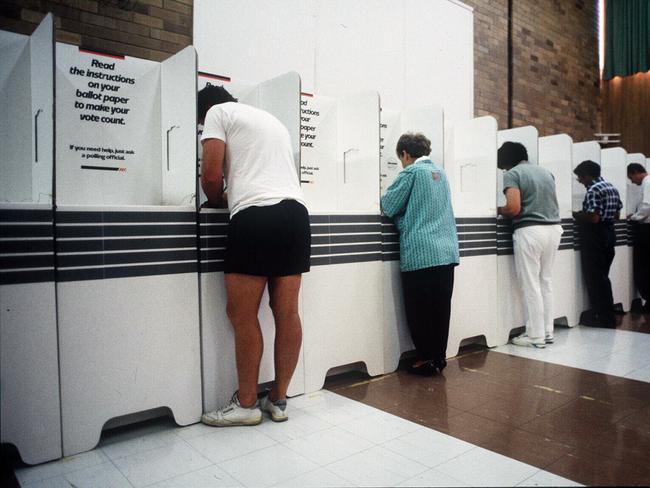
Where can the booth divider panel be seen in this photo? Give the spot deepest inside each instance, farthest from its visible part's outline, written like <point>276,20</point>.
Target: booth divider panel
<point>16,131</point>
<point>42,114</point>
<point>30,410</point>
<point>555,154</point>
<point>178,127</point>
<point>614,170</point>
<point>470,163</point>
<point>634,198</point>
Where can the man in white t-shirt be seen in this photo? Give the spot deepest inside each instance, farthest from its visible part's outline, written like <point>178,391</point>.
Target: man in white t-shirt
<point>269,242</point>
<point>641,217</point>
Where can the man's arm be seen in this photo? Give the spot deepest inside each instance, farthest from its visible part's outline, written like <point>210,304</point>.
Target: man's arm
<point>214,151</point>
<point>512,208</point>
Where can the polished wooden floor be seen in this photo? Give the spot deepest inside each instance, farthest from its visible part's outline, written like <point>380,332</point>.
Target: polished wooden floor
<point>589,427</point>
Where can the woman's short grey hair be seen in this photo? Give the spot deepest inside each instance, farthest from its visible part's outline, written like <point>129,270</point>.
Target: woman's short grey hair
<point>416,145</point>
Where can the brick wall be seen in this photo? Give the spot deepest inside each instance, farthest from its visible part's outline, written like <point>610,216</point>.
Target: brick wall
<point>149,29</point>
<point>555,64</point>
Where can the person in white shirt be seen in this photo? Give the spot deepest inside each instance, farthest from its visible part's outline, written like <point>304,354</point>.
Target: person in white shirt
<point>269,242</point>
<point>639,176</point>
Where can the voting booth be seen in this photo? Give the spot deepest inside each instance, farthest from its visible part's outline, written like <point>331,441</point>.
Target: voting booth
<point>279,96</point>
<point>510,306</point>
<point>428,121</point>
<point>340,179</point>
<point>555,153</point>
<point>29,374</point>
<point>614,170</point>
<point>471,166</point>
<point>633,200</point>
<point>126,240</point>
<point>582,151</point>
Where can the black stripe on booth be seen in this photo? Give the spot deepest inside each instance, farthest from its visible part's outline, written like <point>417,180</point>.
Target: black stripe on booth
<point>22,246</point>
<point>351,258</point>
<point>215,267</point>
<point>112,217</point>
<point>30,261</point>
<point>125,271</point>
<point>19,215</point>
<point>75,260</point>
<point>125,244</point>
<point>21,277</point>
<point>124,230</point>
<point>22,231</point>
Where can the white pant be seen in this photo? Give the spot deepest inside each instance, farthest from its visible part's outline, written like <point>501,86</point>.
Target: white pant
<point>535,248</point>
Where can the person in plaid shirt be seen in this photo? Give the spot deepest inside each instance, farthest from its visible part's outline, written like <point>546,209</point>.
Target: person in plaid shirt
<point>600,209</point>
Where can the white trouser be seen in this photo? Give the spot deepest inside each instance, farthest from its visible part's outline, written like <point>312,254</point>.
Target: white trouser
<point>535,248</point>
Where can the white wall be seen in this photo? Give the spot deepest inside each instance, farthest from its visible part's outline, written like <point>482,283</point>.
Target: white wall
<point>414,52</point>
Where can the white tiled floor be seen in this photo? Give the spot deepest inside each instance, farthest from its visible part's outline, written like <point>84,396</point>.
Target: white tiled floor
<point>610,351</point>
<point>329,441</point>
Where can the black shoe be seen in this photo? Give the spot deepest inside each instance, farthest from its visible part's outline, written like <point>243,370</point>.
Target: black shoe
<point>440,365</point>
<point>599,321</point>
<point>646,307</point>
<point>424,369</point>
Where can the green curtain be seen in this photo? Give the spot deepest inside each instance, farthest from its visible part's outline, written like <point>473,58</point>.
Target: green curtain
<point>627,37</point>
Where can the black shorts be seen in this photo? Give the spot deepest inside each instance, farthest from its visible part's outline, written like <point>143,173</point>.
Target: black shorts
<point>269,241</point>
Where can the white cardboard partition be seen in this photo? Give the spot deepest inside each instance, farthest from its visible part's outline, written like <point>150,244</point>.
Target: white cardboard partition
<point>127,282</point>
<point>471,168</point>
<point>511,312</point>
<point>614,170</point>
<point>582,151</point>
<point>634,198</point>
<point>429,121</point>
<point>30,406</point>
<point>178,127</point>
<point>342,295</point>
<point>279,96</point>
<point>555,153</point>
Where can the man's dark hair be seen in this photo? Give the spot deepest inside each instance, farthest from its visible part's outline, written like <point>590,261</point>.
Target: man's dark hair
<point>510,154</point>
<point>415,145</point>
<point>209,96</point>
<point>588,168</point>
<point>634,168</point>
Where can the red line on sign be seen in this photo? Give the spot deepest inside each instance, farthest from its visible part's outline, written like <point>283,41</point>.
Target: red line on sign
<point>214,77</point>
<point>307,94</point>
<point>108,55</point>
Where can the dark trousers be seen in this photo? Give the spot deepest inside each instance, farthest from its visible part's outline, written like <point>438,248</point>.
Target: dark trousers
<point>427,300</point>
<point>597,254</point>
<point>641,260</point>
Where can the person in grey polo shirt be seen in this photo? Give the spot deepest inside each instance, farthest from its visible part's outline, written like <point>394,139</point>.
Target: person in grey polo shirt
<point>531,202</point>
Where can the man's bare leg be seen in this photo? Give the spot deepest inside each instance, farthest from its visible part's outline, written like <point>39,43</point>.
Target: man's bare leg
<point>244,297</point>
<point>283,292</point>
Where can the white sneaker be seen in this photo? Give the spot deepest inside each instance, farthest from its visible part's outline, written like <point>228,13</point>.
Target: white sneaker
<point>233,414</point>
<point>276,410</point>
<point>525,341</point>
<point>549,339</point>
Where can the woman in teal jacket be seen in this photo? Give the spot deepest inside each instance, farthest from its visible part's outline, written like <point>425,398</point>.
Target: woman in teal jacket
<point>419,201</point>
